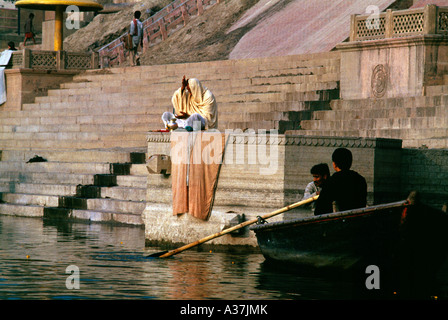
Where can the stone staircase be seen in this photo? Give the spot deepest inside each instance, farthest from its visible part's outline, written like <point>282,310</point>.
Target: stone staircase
<point>91,132</point>
<point>419,121</point>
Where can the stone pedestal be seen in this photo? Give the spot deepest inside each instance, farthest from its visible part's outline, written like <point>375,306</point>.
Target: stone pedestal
<point>389,68</point>
<point>24,85</point>
<point>395,53</point>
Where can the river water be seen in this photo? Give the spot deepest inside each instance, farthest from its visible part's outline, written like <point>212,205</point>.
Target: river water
<point>52,261</point>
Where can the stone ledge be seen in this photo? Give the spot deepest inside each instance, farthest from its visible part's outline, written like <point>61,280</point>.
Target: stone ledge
<point>293,137</point>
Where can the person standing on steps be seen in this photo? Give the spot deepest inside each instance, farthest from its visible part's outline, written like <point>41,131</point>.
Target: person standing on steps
<point>29,29</point>
<point>136,32</point>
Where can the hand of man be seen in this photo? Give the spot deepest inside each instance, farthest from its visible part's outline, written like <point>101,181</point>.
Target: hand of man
<point>184,83</point>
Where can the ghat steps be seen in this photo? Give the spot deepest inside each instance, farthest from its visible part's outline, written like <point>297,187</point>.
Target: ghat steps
<point>92,130</point>
<point>418,121</point>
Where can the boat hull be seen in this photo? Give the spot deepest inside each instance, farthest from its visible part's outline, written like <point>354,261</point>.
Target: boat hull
<point>383,236</point>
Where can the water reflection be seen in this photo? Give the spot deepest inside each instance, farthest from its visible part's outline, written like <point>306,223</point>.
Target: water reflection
<point>34,256</point>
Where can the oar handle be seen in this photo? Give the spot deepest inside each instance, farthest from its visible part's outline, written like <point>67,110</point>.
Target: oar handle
<point>239,226</point>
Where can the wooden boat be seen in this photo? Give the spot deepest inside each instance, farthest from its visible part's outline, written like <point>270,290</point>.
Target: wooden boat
<point>396,234</point>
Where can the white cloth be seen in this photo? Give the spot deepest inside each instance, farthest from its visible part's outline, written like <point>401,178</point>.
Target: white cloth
<point>5,56</point>
<point>192,121</point>
<point>136,36</point>
<point>310,191</point>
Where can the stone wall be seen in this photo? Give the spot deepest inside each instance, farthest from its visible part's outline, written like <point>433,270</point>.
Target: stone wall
<point>426,170</point>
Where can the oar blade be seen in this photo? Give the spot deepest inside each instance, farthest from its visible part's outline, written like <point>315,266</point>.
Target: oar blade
<point>156,254</point>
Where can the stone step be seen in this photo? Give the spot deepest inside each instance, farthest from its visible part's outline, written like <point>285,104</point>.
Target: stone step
<point>278,96</point>
<point>436,90</point>
<point>48,177</point>
<point>21,210</point>
<point>75,214</point>
<point>31,199</point>
<point>132,181</point>
<point>391,133</point>
<point>119,155</point>
<point>75,137</point>
<point>218,87</point>
<point>112,142</point>
<point>69,173</point>
<point>378,123</point>
<point>19,122</point>
<point>279,125</point>
<point>133,219</point>
<point>74,128</point>
<point>283,77</point>
<point>228,80</point>
<point>391,103</point>
<point>124,193</point>
<point>59,98</point>
<point>118,206</point>
<point>45,189</point>
<point>56,166</point>
<point>216,68</point>
<point>119,108</point>
<point>266,116</point>
<point>280,106</point>
<point>116,199</point>
<point>379,113</point>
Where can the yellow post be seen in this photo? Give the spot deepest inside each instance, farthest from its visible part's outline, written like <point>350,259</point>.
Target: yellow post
<point>58,29</point>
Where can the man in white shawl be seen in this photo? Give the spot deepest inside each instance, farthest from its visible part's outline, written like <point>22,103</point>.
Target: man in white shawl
<point>5,56</point>
<point>193,103</point>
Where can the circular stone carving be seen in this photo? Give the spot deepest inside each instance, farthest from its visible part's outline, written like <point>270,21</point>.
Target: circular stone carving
<point>379,81</point>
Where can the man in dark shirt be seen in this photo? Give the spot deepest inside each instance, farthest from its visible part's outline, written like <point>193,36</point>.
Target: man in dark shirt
<point>347,188</point>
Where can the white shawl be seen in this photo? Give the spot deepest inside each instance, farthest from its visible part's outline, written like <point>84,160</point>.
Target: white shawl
<point>4,60</point>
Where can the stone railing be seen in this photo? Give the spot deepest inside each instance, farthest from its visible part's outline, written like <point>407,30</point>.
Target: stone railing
<point>430,19</point>
<point>156,28</point>
<point>53,60</point>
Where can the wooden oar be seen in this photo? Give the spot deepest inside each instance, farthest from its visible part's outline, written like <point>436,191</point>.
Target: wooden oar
<point>165,254</point>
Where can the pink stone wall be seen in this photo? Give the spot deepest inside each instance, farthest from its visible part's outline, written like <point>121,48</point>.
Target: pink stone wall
<point>300,27</point>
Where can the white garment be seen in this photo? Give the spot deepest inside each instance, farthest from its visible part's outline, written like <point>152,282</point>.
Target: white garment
<point>192,121</point>
<point>5,56</point>
<point>136,36</point>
